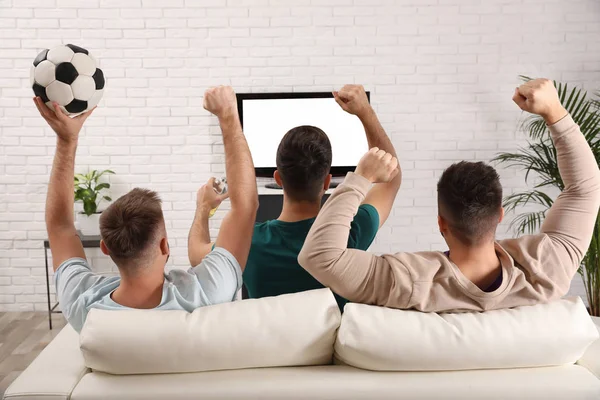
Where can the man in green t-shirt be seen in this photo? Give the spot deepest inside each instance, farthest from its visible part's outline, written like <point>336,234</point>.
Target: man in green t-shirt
<point>303,164</point>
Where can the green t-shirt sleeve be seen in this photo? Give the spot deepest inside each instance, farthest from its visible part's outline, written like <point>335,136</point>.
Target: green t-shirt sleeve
<point>364,227</point>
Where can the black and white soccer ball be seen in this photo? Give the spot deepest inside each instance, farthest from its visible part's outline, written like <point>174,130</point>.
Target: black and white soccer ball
<point>69,76</point>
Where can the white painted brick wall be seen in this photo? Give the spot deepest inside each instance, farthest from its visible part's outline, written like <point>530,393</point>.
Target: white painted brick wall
<point>441,73</point>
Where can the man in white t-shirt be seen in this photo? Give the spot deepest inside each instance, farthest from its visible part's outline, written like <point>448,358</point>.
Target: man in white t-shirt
<point>134,234</point>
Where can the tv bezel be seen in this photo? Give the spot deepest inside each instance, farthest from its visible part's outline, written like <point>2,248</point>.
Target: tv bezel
<point>267,172</point>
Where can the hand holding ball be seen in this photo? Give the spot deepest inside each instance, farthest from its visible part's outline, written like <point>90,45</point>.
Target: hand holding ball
<point>69,76</point>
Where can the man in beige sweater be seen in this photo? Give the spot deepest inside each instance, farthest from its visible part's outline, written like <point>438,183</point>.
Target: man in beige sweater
<point>478,273</point>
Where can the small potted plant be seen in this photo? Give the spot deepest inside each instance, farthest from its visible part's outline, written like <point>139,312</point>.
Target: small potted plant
<point>89,192</point>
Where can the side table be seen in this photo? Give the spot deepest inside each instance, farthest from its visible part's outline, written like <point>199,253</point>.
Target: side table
<point>87,242</point>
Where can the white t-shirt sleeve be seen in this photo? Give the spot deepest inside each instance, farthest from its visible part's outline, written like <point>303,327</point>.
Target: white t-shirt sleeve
<point>219,275</point>
<point>73,279</point>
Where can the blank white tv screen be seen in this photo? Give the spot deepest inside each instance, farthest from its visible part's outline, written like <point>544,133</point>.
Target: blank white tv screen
<point>266,121</point>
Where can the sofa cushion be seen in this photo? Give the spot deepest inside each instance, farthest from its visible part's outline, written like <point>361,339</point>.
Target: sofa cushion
<point>289,330</point>
<point>384,339</point>
<point>333,382</point>
<point>591,358</point>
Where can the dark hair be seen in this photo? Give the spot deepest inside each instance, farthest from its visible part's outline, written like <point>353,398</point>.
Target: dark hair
<point>131,225</point>
<point>469,199</point>
<point>303,161</point>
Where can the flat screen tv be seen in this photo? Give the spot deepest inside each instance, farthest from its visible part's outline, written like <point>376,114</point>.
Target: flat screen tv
<point>266,117</point>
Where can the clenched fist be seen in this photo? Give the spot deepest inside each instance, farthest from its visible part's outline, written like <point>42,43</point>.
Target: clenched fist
<point>221,101</point>
<point>353,99</point>
<point>540,97</point>
<point>378,166</point>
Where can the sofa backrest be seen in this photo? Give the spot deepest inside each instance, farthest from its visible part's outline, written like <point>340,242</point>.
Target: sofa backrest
<point>384,339</point>
<point>301,329</point>
<point>289,330</point>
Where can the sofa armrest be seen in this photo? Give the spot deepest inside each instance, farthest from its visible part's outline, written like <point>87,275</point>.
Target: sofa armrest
<point>54,373</point>
<point>591,357</point>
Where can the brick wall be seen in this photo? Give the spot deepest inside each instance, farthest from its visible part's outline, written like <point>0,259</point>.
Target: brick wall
<point>441,73</point>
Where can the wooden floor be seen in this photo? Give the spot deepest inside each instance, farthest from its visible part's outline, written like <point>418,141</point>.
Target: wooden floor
<point>23,335</point>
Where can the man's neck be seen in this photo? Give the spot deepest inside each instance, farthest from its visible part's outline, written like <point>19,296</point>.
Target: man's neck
<point>480,264</point>
<point>294,211</point>
<point>142,290</point>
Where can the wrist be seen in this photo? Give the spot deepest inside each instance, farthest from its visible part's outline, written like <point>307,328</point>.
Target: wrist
<point>555,115</point>
<point>364,175</point>
<point>228,116</point>
<point>68,143</point>
<point>203,210</point>
<point>366,114</point>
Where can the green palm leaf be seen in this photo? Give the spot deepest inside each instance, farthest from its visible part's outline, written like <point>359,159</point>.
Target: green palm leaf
<point>536,127</point>
<point>528,223</point>
<point>523,198</point>
<point>596,102</point>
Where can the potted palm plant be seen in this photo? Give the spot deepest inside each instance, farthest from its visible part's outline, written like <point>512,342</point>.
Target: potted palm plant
<point>89,191</point>
<point>539,157</point>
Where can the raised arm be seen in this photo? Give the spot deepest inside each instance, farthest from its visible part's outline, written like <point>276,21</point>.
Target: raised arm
<point>64,242</point>
<point>353,99</point>
<point>199,243</point>
<point>235,234</point>
<point>570,221</point>
<point>357,275</point>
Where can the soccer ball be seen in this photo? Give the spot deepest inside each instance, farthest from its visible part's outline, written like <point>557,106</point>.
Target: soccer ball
<point>67,75</point>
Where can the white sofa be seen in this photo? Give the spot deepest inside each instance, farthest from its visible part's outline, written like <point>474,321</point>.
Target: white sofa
<point>61,372</point>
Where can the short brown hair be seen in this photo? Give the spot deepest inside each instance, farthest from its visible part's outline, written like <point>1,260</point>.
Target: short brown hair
<point>303,161</point>
<point>469,199</point>
<point>131,224</point>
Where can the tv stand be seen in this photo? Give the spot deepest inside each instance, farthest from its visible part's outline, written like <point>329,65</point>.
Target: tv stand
<point>274,185</point>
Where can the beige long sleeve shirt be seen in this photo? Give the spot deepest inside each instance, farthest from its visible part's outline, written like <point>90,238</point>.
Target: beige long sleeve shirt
<point>535,268</point>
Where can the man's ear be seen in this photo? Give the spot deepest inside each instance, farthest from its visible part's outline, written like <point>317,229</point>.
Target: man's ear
<point>277,178</point>
<point>104,248</point>
<point>442,225</point>
<point>501,215</point>
<point>164,247</point>
<point>327,182</point>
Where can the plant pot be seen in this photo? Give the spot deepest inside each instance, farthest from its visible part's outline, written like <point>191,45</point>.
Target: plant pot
<point>88,225</point>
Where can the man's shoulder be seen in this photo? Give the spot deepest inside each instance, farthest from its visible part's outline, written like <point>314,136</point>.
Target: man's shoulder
<point>422,265</point>
<point>261,230</point>
<point>262,239</point>
<point>181,279</point>
<point>367,214</point>
<point>364,227</point>
<point>368,208</point>
<point>175,274</point>
<point>75,274</point>
<point>260,226</point>
<point>525,240</point>
<point>76,262</point>
<point>528,250</point>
